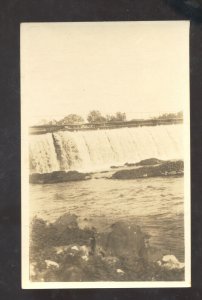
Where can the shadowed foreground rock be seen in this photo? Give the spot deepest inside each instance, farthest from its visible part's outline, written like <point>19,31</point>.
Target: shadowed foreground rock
<point>57,176</point>
<point>125,240</point>
<point>169,168</point>
<point>62,251</point>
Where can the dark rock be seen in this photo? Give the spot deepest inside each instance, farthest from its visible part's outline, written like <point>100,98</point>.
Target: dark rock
<point>115,167</point>
<point>66,221</point>
<point>155,254</point>
<point>169,168</point>
<point>125,240</point>
<point>130,164</point>
<point>57,176</point>
<point>63,231</point>
<point>72,273</point>
<point>146,162</point>
<point>150,162</point>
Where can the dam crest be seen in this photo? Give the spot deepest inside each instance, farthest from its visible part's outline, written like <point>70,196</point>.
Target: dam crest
<point>100,149</point>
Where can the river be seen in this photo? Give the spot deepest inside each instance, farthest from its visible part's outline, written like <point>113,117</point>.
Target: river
<point>156,204</point>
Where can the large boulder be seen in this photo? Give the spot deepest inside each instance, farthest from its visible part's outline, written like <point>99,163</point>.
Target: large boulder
<point>66,221</point>
<point>125,240</point>
<point>57,176</point>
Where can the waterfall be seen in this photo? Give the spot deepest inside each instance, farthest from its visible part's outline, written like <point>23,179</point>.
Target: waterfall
<point>42,153</point>
<point>100,149</point>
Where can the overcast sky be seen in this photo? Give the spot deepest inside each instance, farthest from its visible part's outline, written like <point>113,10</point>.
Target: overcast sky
<point>140,68</point>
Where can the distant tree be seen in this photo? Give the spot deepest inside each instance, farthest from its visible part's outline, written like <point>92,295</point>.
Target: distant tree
<point>71,119</point>
<point>110,118</point>
<point>95,116</point>
<point>120,117</point>
<point>167,116</point>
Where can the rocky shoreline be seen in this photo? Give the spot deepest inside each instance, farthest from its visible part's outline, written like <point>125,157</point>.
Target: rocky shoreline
<point>144,169</point>
<point>170,168</point>
<point>65,251</point>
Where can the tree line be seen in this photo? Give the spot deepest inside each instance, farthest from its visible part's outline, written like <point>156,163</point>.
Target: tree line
<point>168,116</point>
<point>95,116</point>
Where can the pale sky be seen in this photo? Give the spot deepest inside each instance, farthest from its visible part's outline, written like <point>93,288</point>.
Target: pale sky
<point>140,68</point>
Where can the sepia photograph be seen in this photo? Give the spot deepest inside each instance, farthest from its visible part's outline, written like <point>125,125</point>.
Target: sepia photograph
<point>105,154</point>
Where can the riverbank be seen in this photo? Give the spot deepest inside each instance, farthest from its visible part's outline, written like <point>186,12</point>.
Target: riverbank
<point>65,250</point>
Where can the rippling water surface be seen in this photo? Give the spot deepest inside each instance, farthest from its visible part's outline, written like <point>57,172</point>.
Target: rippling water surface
<point>156,204</point>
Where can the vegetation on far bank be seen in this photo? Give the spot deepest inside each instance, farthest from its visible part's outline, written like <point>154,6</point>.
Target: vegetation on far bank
<point>95,116</point>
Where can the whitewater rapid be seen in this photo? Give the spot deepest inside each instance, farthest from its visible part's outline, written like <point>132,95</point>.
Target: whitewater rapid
<point>100,149</point>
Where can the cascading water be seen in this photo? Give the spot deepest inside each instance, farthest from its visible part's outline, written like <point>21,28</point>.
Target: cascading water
<point>42,153</point>
<point>100,149</point>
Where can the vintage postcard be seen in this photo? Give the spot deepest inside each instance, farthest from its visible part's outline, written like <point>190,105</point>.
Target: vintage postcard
<point>105,154</point>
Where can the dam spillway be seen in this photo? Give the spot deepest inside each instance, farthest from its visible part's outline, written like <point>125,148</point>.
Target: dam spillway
<point>102,148</point>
